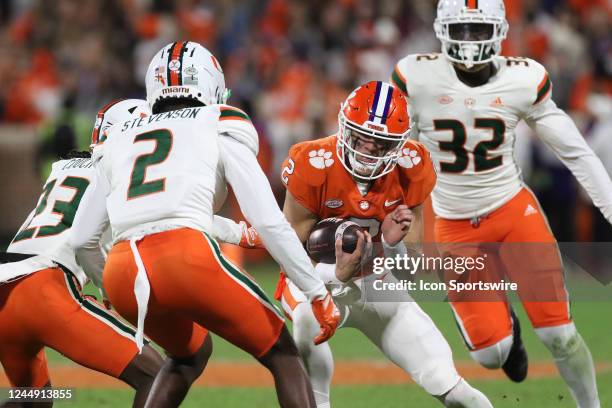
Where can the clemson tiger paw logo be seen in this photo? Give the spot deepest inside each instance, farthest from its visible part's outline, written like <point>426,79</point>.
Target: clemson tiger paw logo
<point>408,158</point>
<point>320,159</point>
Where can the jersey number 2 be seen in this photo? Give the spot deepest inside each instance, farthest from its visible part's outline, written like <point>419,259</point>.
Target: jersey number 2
<point>163,143</point>
<point>456,145</point>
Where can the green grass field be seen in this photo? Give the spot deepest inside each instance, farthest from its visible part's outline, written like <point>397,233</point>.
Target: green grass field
<point>593,320</point>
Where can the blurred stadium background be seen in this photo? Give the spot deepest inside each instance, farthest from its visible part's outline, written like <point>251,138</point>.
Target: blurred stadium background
<point>289,64</point>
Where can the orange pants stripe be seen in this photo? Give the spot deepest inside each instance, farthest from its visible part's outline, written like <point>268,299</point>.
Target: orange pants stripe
<point>520,220</point>
<point>194,288</point>
<point>43,309</point>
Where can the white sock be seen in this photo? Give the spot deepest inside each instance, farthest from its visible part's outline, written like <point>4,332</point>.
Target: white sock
<point>318,359</point>
<point>574,361</point>
<point>495,355</point>
<point>463,395</point>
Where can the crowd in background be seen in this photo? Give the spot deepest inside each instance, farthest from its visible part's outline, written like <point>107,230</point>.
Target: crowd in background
<point>290,63</point>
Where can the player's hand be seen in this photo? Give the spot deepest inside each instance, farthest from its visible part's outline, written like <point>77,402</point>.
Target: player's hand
<point>250,238</point>
<point>328,316</point>
<point>396,224</point>
<point>349,264</point>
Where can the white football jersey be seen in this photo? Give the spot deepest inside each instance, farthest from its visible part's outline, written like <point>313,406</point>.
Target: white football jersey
<point>469,131</point>
<point>45,232</point>
<point>166,169</point>
<point>170,170</point>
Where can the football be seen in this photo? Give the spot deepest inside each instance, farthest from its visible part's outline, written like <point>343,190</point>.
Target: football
<point>322,239</point>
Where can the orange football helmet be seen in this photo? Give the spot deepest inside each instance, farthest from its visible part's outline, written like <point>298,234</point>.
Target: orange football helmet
<point>373,126</point>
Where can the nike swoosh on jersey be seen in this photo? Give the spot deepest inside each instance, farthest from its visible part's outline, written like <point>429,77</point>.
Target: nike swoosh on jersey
<point>390,203</point>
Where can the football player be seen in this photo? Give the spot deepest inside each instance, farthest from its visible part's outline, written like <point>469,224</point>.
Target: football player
<point>158,181</point>
<point>42,299</point>
<point>355,175</point>
<point>223,229</point>
<point>466,103</point>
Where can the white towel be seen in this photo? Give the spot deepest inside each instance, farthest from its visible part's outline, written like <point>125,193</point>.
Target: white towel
<point>142,290</point>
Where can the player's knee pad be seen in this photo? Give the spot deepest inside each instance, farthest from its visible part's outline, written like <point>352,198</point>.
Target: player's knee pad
<point>464,395</point>
<point>495,355</point>
<point>560,340</point>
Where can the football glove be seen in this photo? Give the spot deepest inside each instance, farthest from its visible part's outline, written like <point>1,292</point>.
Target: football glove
<point>250,238</point>
<point>328,316</point>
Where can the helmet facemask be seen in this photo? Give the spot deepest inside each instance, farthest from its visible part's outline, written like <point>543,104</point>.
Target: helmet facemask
<point>471,37</point>
<point>372,165</point>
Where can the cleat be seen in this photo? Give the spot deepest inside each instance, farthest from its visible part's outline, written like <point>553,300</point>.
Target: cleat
<point>516,364</point>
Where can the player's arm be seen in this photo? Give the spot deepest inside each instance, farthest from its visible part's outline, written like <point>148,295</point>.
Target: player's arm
<point>402,229</point>
<point>558,131</point>
<point>257,203</point>
<point>90,222</point>
<point>414,237</point>
<point>302,221</point>
<point>237,233</point>
<point>259,206</point>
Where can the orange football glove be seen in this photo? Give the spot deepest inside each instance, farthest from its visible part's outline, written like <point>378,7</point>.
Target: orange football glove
<point>328,316</point>
<point>250,238</point>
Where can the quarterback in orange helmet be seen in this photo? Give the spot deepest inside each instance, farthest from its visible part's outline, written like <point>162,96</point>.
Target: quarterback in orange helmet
<point>370,174</point>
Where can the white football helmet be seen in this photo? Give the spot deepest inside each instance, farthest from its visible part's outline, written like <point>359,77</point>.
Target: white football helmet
<point>115,112</point>
<point>456,15</point>
<point>185,69</point>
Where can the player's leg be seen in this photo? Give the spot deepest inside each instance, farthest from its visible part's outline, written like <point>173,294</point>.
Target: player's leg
<point>485,323</point>
<point>292,384</point>
<point>491,332</point>
<point>22,357</point>
<point>410,339</point>
<point>189,277</point>
<point>187,345</point>
<point>263,335</point>
<point>87,333</point>
<point>574,361</point>
<point>177,375</point>
<point>24,367</point>
<point>545,298</point>
<point>317,358</point>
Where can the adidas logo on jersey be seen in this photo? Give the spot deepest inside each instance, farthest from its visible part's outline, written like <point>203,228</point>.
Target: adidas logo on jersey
<point>409,158</point>
<point>530,210</point>
<point>320,159</point>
